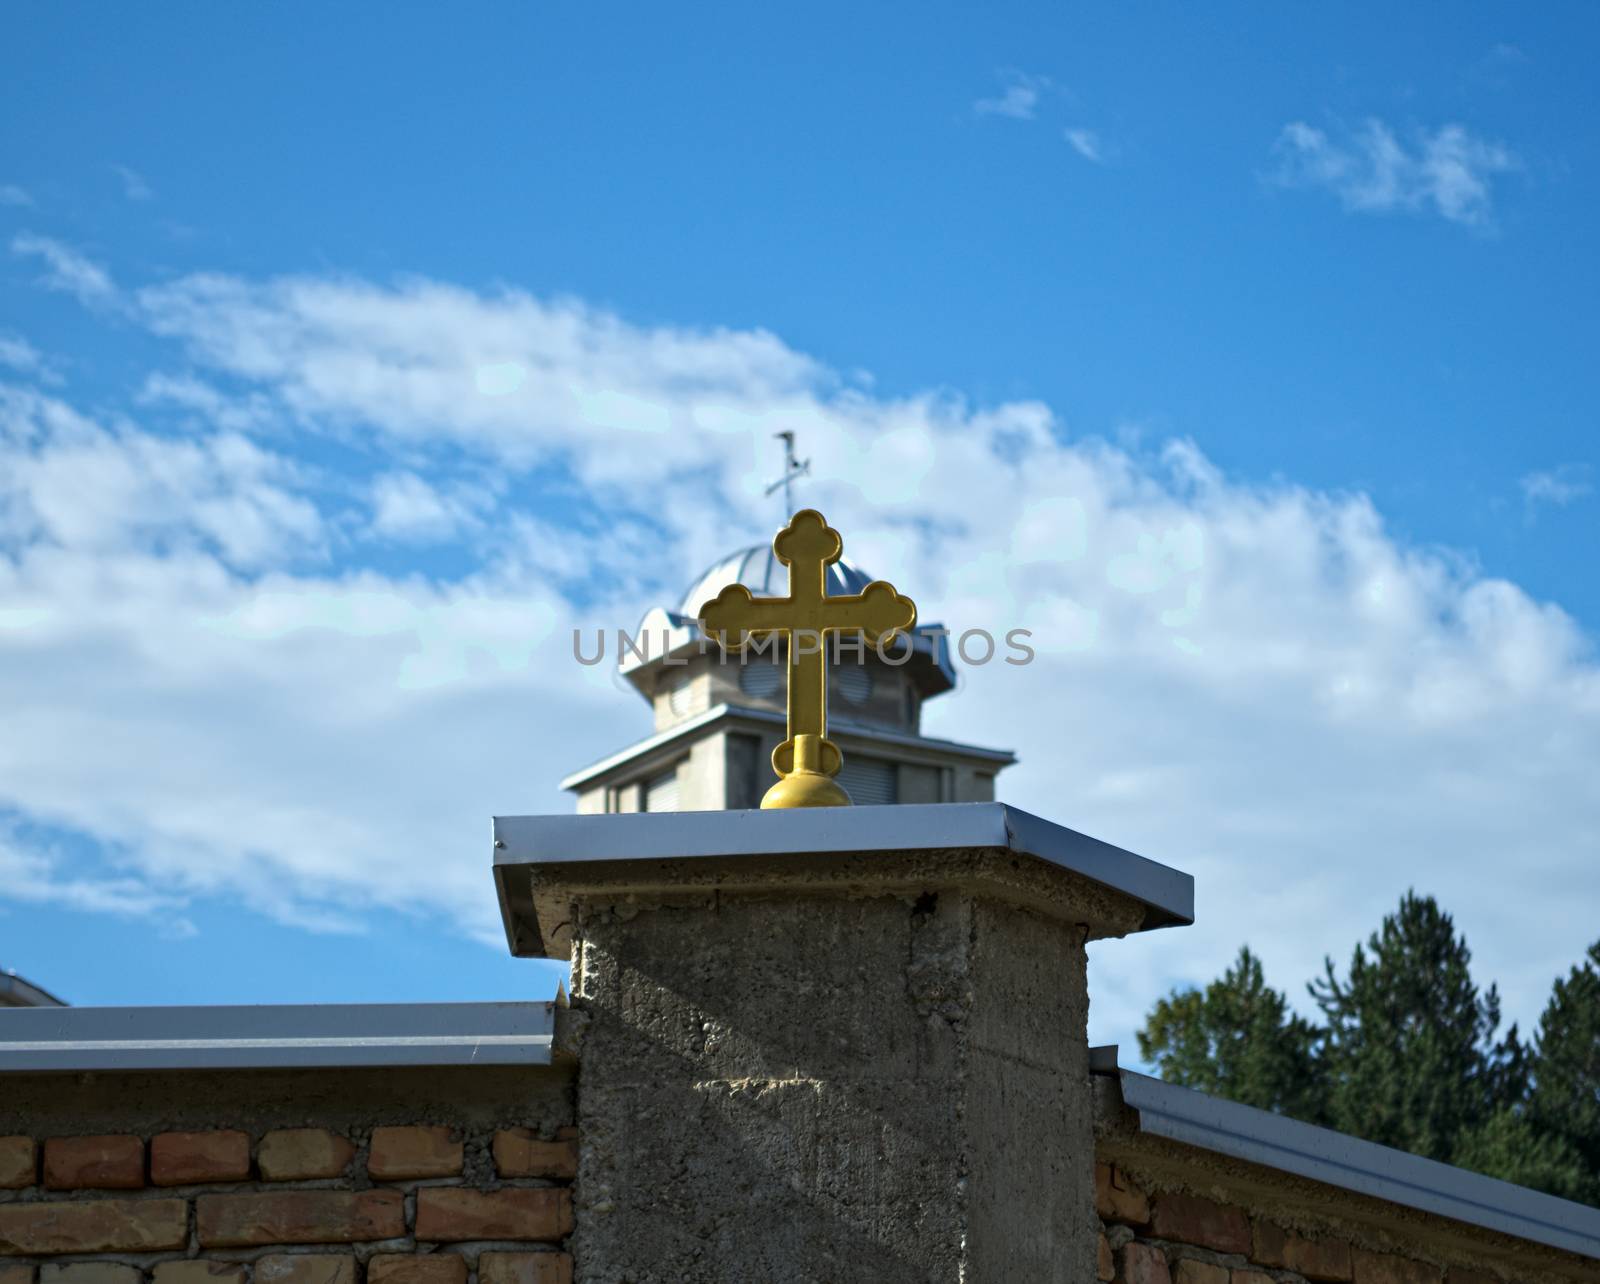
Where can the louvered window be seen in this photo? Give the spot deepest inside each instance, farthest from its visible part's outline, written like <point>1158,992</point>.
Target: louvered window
<point>869,781</point>
<point>661,792</point>
<point>760,679</point>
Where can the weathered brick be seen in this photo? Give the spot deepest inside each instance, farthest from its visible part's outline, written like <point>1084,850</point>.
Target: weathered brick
<point>518,1152</point>
<point>414,1268</point>
<point>1320,1259</point>
<point>1269,1243</point>
<point>19,1162</point>
<point>1389,1268</point>
<point>93,1226</point>
<point>199,1271</point>
<point>1105,1264</point>
<point>306,1268</point>
<point>450,1213</point>
<point>524,1268</point>
<point>185,1158</point>
<point>299,1217</point>
<point>1144,1264</point>
<point>104,1163</point>
<point>420,1151</point>
<point>1248,1275</point>
<point>89,1273</point>
<point>1189,1271</point>
<point>1117,1199</point>
<point>1190,1219</point>
<point>303,1154</point>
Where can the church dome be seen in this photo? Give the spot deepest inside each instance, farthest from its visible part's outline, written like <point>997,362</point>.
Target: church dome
<point>760,571</point>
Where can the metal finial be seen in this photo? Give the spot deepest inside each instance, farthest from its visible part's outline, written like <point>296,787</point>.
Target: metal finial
<point>792,468</point>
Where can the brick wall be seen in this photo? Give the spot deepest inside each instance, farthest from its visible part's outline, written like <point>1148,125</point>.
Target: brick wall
<point>416,1203</point>
<point>376,1175</point>
<point>1176,1237</point>
<point>466,1176</point>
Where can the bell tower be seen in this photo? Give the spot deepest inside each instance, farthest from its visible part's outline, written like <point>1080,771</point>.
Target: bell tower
<point>717,718</point>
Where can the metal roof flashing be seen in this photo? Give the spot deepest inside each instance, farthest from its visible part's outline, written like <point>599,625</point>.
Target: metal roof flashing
<point>845,729</point>
<point>1337,1159</point>
<point>19,992</point>
<point>530,849</point>
<point>272,1036</point>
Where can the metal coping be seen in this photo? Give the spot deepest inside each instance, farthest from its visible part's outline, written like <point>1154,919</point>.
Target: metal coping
<point>267,1036</point>
<point>522,841</point>
<point>1338,1159</point>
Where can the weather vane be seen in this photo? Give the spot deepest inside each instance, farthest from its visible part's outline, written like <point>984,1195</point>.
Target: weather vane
<point>807,761</point>
<point>792,468</point>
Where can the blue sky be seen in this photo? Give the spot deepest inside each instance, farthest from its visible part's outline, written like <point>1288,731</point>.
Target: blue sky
<point>1286,311</point>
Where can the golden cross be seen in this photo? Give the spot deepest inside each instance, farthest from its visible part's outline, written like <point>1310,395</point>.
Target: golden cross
<point>807,761</point>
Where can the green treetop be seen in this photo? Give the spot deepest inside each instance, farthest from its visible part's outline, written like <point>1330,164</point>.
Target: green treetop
<point>1408,1052</point>
<point>1407,1056</point>
<point>1565,1100</point>
<point>1238,1040</point>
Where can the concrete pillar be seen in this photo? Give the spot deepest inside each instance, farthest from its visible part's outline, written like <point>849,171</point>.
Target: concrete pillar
<point>832,1047</point>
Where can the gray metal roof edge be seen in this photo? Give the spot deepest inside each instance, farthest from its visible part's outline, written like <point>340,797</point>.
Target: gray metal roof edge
<point>661,739</point>
<point>847,726</point>
<point>1159,886</point>
<point>267,1036</point>
<point>657,740</point>
<point>1338,1159</point>
<point>32,996</point>
<point>515,896</point>
<point>1167,893</point>
<point>923,639</point>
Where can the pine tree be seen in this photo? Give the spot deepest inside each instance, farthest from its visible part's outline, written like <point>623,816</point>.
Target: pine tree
<point>1511,1147</point>
<point>1237,1040</point>
<point>1565,1100</point>
<point>1408,1051</point>
<point>1408,1056</point>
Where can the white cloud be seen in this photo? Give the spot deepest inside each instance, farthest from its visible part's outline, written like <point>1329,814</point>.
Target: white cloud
<point>17,353</point>
<point>1447,170</point>
<point>22,358</point>
<point>242,413</point>
<point>17,197</point>
<point>31,873</point>
<point>69,271</point>
<point>409,510</point>
<point>1017,100</point>
<point>69,484</point>
<point>278,740</point>
<point>1560,486</point>
<point>134,186</point>
<point>1259,684</point>
<point>1086,143</point>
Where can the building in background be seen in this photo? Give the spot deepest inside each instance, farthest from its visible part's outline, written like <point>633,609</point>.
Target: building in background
<point>718,719</point>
